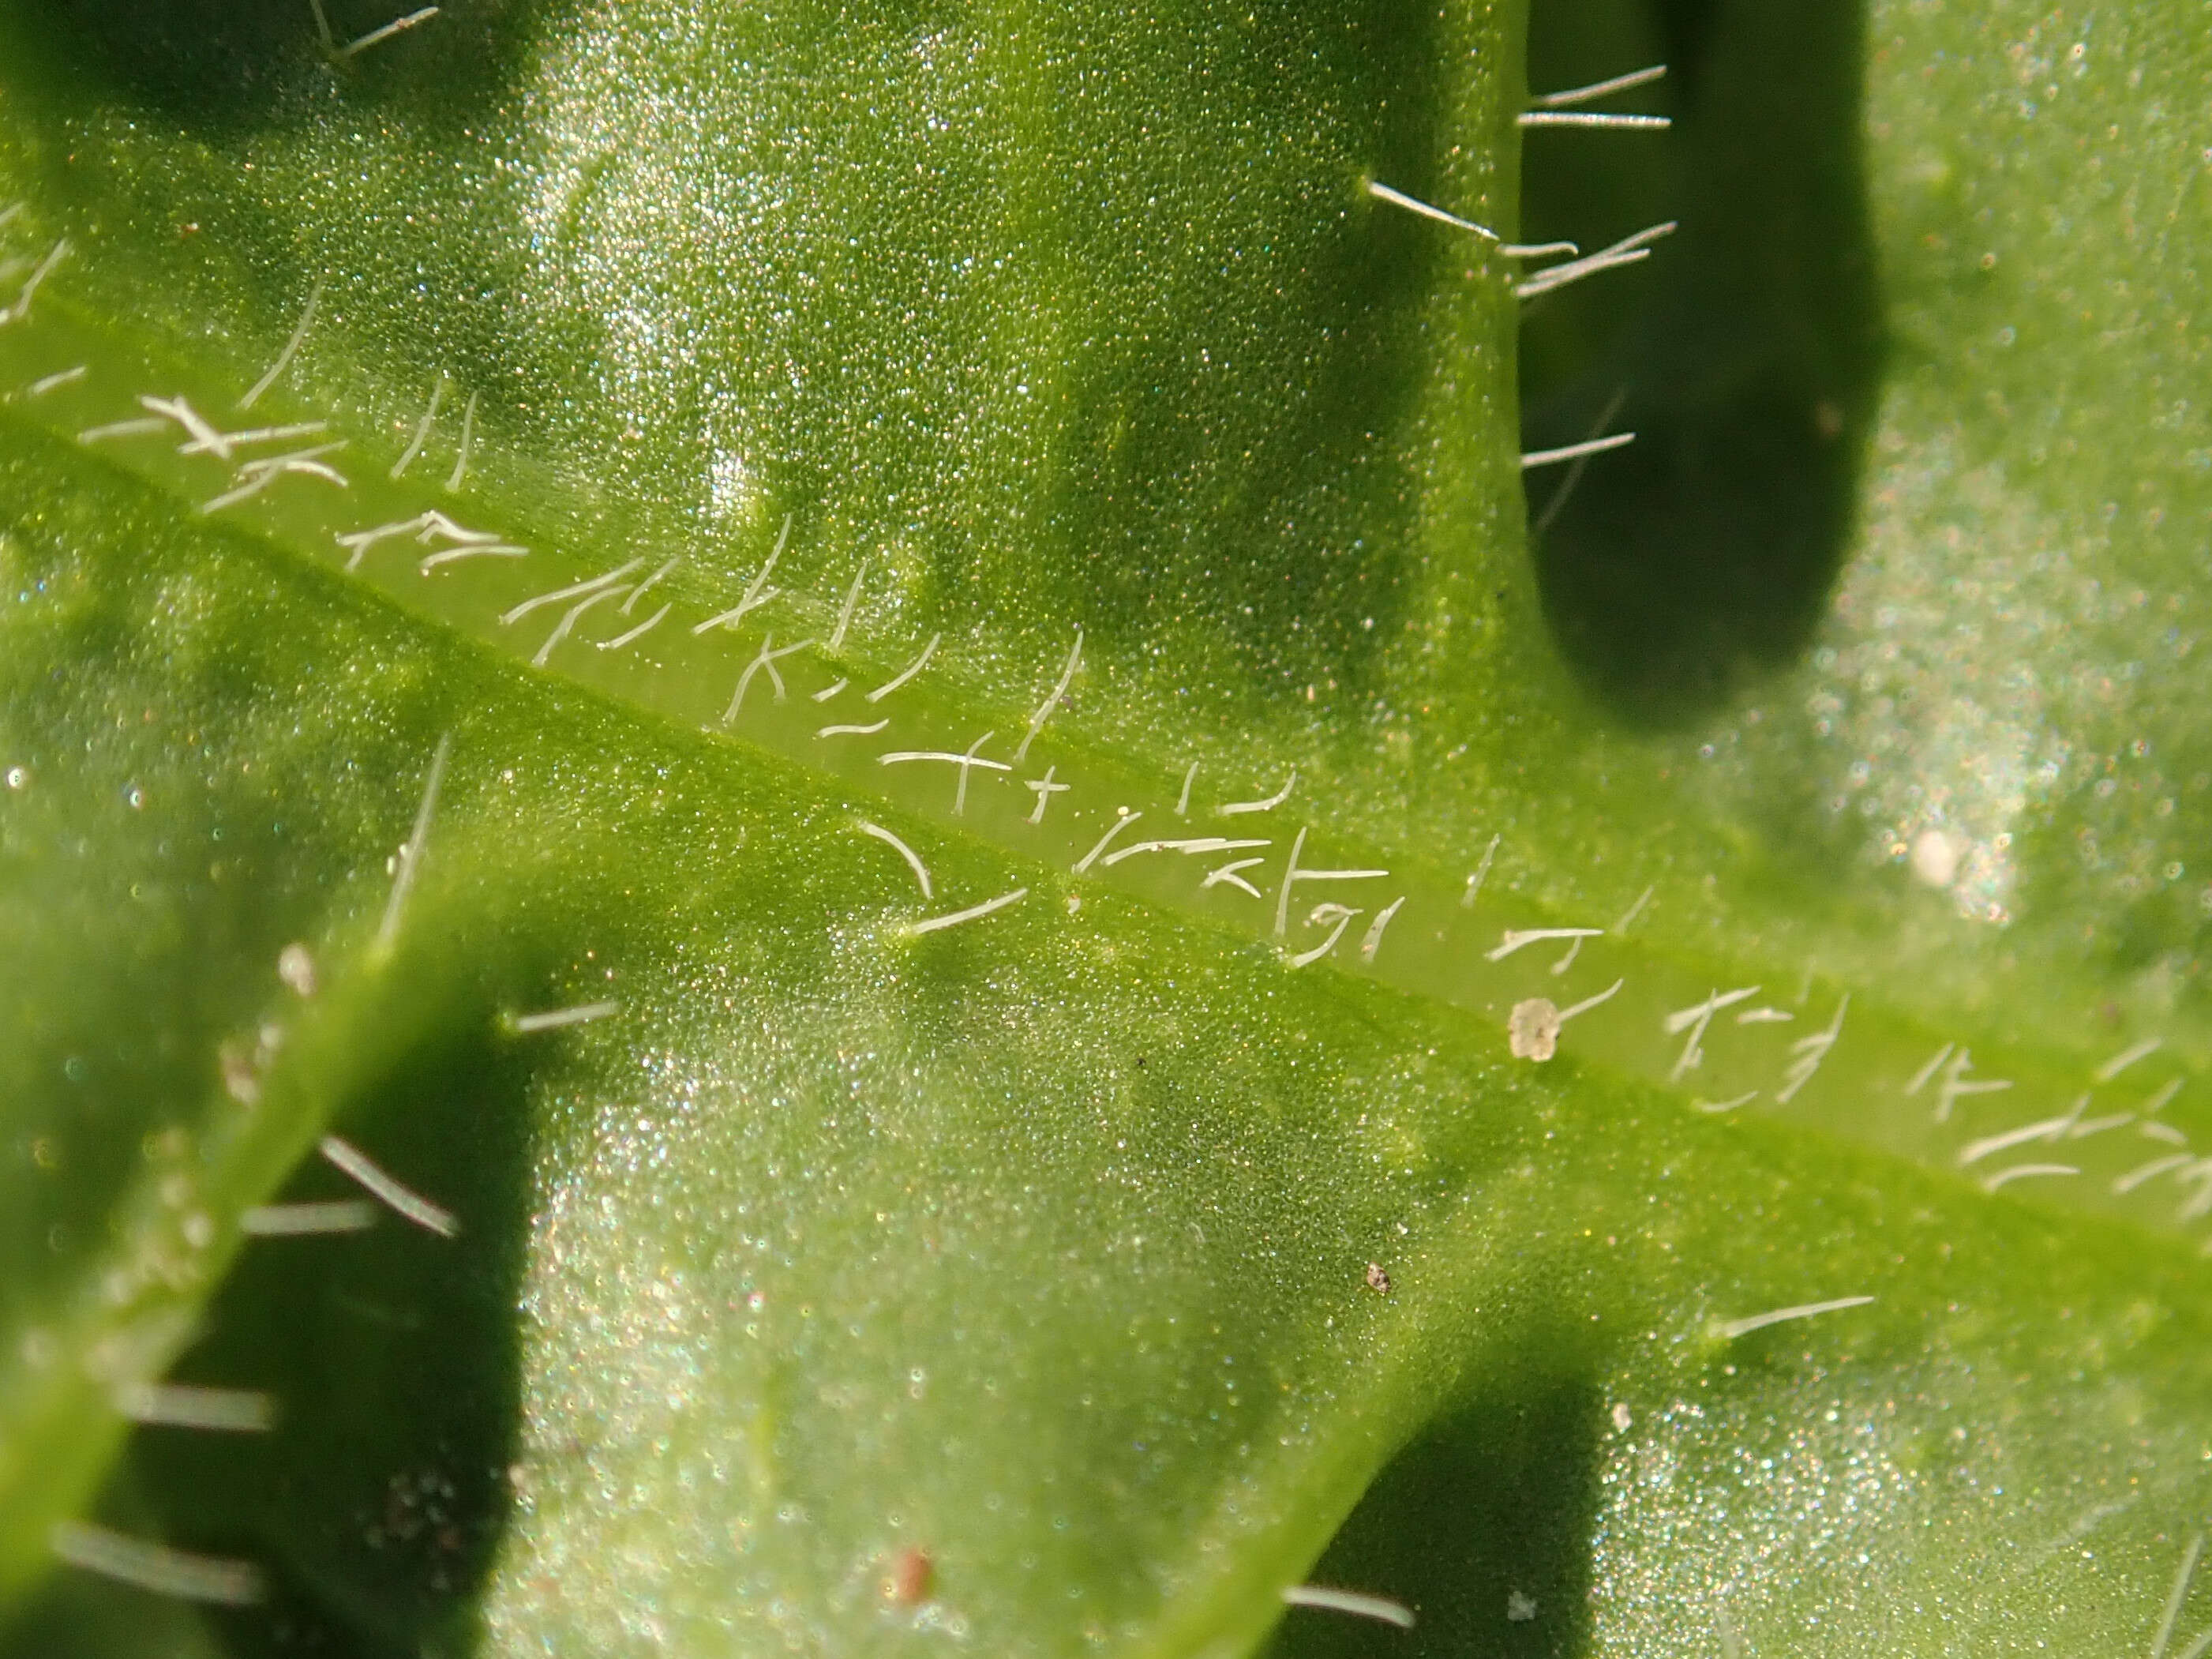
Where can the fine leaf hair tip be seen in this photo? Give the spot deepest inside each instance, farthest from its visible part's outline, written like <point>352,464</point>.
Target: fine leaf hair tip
<point>1398,198</point>
<point>1357,1603</point>
<point>410,853</point>
<point>1596,89</point>
<point>1728,1330</point>
<point>158,1569</point>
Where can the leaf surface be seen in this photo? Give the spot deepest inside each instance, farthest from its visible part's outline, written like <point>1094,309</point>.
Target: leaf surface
<point>850,1266</point>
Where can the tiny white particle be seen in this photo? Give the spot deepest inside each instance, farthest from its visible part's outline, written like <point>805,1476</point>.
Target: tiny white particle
<point>296,968</point>
<point>1531,1030</point>
<point>1935,858</point>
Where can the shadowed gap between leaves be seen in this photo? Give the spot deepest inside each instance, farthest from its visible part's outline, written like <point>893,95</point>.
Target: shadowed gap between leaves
<point>1501,1496</point>
<point>375,1506</point>
<point>1742,353</point>
<point>228,66</point>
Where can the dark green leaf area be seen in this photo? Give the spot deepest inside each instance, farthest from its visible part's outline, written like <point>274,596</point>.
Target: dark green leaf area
<point>1099,300</point>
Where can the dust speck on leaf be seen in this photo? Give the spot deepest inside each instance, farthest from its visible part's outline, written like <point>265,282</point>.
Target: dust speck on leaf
<point>1532,1029</point>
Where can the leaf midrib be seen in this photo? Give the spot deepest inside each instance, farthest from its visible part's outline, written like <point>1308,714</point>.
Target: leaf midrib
<point>1435,949</point>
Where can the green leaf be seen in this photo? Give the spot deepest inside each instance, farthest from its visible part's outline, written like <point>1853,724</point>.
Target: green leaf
<point>836,1189</point>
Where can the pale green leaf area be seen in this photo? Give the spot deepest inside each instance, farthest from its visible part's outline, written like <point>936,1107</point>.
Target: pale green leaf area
<point>950,1212</point>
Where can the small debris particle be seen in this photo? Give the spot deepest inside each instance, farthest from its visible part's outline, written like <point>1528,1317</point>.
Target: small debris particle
<point>1520,1609</point>
<point>906,1584</point>
<point>297,969</point>
<point>240,1080</point>
<point>1935,857</point>
<point>1531,1030</point>
<point>1377,1280</point>
<point>1622,1417</point>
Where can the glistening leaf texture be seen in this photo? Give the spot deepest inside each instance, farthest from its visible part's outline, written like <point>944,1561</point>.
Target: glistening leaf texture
<point>855,1193</point>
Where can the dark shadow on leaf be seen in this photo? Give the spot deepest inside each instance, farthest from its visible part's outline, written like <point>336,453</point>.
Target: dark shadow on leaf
<point>1742,353</point>
<point>378,1502</point>
<point>1482,1526</point>
<point>225,64</point>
